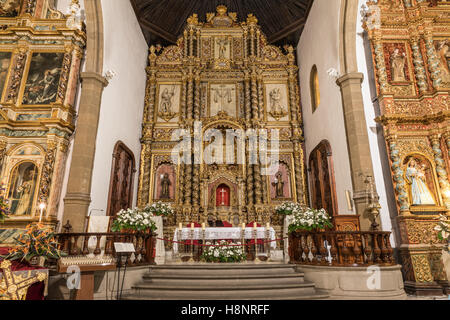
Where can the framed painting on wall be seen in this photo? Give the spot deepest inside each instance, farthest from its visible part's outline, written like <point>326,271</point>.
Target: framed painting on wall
<point>42,82</point>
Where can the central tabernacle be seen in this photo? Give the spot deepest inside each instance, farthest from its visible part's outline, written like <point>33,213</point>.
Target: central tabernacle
<point>222,77</point>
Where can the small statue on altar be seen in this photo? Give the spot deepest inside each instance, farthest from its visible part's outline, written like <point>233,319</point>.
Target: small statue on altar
<point>279,185</point>
<point>165,186</point>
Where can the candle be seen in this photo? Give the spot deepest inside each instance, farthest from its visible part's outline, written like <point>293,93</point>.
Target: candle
<point>42,207</point>
<point>180,226</point>
<point>243,226</point>
<point>255,225</point>
<point>192,225</point>
<point>268,225</point>
<point>203,226</point>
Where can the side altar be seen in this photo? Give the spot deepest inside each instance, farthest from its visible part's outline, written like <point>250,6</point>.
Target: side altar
<point>221,81</point>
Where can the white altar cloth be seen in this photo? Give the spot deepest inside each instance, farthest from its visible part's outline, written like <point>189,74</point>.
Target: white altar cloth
<point>223,233</point>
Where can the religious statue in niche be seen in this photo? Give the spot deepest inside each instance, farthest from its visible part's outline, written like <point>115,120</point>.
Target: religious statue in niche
<point>22,188</point>
<point>169,98</point>
<point>279,185</point>
<point>419,180</point>
<point>223,100</point>
<point>165,183</point>
<point>9,8</point>
<point>5,59</point>
<point>277,111</point>
<point>43,78</point>
<point>398,63</point>
<point>165,186</point>
<point>277,102</point>
<point>444,57</point>
<point>222,48</point>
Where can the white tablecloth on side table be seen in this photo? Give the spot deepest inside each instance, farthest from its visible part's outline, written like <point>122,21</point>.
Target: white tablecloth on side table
<point>223,233</point>
<point>160,257</point>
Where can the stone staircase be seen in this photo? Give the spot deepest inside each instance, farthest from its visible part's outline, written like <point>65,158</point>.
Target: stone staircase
<point>224,282</point>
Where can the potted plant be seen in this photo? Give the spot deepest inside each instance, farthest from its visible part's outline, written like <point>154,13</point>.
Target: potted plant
<point>133,220</point>
<point>310,220</point>
<point>36,246</point>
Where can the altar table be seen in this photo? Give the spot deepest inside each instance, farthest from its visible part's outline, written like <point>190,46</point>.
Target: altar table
<point>223,233</point>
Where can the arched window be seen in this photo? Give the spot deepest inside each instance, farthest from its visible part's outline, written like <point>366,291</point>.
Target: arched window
<point>121,183</point>
<point>314,87</point>
<point>323,187</point>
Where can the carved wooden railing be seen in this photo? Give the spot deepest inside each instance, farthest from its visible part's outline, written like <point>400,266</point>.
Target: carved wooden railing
<point>77,244</point>
<point>341,248</point>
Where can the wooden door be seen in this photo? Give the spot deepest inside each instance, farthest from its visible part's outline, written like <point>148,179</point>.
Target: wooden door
<point>121,183</point>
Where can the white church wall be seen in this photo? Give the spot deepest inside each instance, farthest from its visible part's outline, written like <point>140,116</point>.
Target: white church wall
<point>125,53</point>
<point>375,132</point>
<point>319,45</point>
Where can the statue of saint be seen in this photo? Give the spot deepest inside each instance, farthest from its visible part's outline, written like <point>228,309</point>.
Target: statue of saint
<point>222,47</point>
<point>420,193</point>
<point>444,56</point>
<point>25,191</point>
<point>165,186</point>
<point>279,185</point>
<point>398,61</point>
<point>275,100</point>
<point>166,101</point>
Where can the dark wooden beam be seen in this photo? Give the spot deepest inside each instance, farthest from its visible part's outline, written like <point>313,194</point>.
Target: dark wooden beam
<point>287,30</point>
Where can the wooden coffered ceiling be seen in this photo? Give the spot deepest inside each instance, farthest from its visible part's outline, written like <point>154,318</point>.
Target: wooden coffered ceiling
<point>163,21</point>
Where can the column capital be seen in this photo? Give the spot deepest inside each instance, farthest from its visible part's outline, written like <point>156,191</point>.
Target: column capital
<point>94,76</point>
<point>356,76</point>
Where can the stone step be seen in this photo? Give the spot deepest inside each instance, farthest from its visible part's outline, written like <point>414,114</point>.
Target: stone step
<point>267,281</point>
<point>224,280</point>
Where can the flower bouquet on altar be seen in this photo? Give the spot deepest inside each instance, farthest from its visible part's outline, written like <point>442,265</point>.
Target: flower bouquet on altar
<point>288,208</point>
<point>4,207</point>
<point>310,219</point>
<point>38,242</point>
<point>159,209</point>
<point>443,228</point>
<point>133,220</point>
<point>226,253</point>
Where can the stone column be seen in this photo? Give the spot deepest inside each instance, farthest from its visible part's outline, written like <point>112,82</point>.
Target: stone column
<point>78,197</point>
<point>357,141</point>
<point>440,168</point>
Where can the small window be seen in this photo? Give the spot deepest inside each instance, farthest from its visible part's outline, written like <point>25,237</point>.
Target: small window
<point>315,91</point>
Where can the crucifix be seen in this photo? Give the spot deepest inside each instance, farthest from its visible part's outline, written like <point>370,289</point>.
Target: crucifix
<point>221,94</point>
<point>222,194</point>
<point>16,287</point>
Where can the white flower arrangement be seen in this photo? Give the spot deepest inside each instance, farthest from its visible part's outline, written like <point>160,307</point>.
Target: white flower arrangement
<point>288,208</point>
<point>133,220</point>
<point>159,209</point>
<point>225,253</point>
<point>310,219</point>
<point>443,228</point>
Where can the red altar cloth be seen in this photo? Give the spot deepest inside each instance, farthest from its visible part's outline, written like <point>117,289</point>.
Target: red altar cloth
<point>36,291</point>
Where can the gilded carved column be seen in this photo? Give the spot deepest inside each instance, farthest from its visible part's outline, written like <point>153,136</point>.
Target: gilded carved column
<point>196,167</point>
<point>398,175</point>
<point>248,102</point>
<point>145,175</point>
<point>3,145</point>
<point>440,168</point>
<point>255,121</point>
<point>433,60</point>
<point>299,172</point>
<point>419,65</point>
<point>380,65</point>
<point>17,73</point>
<point>47,172</point>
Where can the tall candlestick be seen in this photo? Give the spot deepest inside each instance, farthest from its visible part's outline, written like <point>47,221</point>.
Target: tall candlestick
<point>243,226</point>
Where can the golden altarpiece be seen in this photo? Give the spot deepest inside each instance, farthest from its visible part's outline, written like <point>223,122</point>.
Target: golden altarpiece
<point>410,42</point>
<point>224,75</point>
<point>40,55</point>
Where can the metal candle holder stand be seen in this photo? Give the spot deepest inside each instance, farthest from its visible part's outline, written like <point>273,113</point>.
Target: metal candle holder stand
<point>255,230</point>
<point>267,244</point>
<point>191,258</point>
